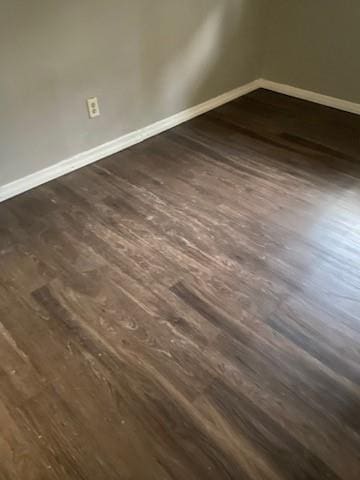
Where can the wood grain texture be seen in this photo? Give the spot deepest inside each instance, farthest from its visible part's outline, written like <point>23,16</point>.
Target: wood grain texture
<point>189,308</point>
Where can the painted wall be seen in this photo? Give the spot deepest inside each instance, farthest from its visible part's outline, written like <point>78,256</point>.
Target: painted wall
<point>145,60</point>
<point>314,45</point>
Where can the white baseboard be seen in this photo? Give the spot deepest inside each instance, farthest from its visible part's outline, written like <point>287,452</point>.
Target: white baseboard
<point>85,158</point>
<point>333,102</point>
<point>90,156</point>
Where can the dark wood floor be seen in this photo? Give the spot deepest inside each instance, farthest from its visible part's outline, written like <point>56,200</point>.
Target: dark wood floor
<point>189,308</point>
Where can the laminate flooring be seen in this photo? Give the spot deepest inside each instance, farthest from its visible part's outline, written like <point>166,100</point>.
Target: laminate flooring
<point>189,308</point>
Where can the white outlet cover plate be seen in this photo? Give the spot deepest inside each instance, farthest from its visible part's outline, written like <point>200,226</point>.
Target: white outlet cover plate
<point>93,107</point>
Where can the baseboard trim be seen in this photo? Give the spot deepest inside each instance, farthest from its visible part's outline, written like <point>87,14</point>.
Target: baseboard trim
<point>85,158</point>
<point>314,97</point>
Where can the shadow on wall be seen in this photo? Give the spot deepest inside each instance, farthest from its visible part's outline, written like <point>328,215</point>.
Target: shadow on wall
<point>199,57</point>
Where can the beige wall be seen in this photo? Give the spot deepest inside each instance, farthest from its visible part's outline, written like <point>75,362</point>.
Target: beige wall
<point>314,44</point>
<point>144,59</point>
<point>149,59</point>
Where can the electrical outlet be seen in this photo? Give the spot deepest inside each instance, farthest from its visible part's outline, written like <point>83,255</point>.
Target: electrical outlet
<point>93,107</point>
